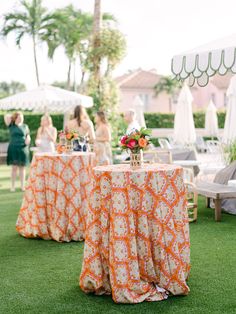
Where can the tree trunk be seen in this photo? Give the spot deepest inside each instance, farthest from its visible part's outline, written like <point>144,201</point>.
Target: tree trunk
<point>96,38</point>
<point>35,61</point>
<point>97,19</point>
<point>82,81</point>
<point>74,78</point>
<point>68,75</point>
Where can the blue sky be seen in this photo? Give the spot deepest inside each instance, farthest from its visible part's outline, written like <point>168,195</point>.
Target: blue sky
<point>155,30</point>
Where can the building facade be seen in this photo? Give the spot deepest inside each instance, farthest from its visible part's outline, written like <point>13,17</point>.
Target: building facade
<point>141,83</point>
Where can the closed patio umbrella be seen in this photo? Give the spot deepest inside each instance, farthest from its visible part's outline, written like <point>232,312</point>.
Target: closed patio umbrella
<point>184,129</point>
<point>230,119</point>
<point>139,108</point>
<point>211,120</point>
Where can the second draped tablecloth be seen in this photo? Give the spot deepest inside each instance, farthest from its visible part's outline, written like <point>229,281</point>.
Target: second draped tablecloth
<point>137,238</point>
<point>55,202</point>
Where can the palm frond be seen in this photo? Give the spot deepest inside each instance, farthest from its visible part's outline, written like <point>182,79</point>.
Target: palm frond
<point>19,37</point>
<point>108,17</point>
<point>167,84</point>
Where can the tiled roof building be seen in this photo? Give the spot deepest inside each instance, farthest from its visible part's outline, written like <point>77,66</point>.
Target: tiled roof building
<point>141,83</point>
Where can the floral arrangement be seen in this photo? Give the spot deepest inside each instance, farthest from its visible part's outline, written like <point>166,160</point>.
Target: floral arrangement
<point>68,135</point>
<point>136,141</point>
<point>65,141</point>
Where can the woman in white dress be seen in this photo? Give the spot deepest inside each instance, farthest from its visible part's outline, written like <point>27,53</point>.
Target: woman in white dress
<point>102,145</point>
<point>46,135</point>
<point>81,124</point>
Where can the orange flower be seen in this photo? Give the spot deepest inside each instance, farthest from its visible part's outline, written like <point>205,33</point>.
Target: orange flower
<point>68,136</point>
<point>63,149</point>
<point>142,142</point>
<point>76,135</point>
<point>60,149</point>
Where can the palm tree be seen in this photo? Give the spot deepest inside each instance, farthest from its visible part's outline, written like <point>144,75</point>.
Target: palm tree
<point>71,29</point>
<point>7,89</point>
<point>96,38</point>
<point>73,32</point>
<point>32,20</point>
<point>170,86</point>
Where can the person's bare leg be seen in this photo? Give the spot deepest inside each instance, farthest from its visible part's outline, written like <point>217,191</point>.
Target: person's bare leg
<point>22,178</point>
<point>13,177</point>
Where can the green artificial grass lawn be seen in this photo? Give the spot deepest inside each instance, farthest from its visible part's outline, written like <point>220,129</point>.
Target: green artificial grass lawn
<point>38,276</point>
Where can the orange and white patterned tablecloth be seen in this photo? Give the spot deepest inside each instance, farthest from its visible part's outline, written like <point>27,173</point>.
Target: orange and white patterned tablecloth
<point>55,202</point>
<point>137,238</point>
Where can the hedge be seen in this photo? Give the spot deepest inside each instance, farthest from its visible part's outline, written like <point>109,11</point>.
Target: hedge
<point>164,120</point>
<point>33,121</point>
<point>153,121</point>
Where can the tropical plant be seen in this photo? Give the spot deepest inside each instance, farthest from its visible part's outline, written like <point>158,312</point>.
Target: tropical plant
<point>230,152</point>
<point>32,20</point>
<point>106,50</point>
<point>7,89</point>
<point>170,86</point>
<point>110,52</point>
<point>103,88</point>
<point>72,28</point>
<point>96,43</point>
<point>72,31</point>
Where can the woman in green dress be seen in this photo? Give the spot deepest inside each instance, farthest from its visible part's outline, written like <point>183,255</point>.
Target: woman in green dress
<point>18,149</point>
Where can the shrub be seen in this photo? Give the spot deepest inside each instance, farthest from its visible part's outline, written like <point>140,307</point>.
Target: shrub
<point>153,121</point>
<point>166,120</point>
<point>33,120</point>
<point>221,119</point>
<point>230,152</point>
<point>199,119</point>
<point>4,135</point>
<point>159,120</point>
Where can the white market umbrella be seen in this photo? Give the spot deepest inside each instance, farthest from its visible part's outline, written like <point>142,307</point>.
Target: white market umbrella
<point>139,108</point>
<point>46,98</point>
<point>203,62</point>
<point>229,134</point>
<point>184,129</point>
<point>211,120</point>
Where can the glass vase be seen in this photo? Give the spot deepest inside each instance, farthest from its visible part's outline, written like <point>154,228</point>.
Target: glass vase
<point>69,146</point>
<point>136,160</point>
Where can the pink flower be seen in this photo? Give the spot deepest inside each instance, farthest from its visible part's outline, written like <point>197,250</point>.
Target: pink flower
<point>123,140</point>
<point>132,143</point>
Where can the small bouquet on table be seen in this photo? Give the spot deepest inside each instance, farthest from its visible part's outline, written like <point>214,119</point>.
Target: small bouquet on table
<point>135,143</point>
<point>66,139</point>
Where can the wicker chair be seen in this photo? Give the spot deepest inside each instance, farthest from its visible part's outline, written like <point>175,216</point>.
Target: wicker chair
<point>192,196</point>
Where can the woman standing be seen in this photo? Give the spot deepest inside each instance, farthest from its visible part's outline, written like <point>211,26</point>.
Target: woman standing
<point>46,135</point>
<point>102,146</point>
<point>81,124</point>
<point>18,149</point>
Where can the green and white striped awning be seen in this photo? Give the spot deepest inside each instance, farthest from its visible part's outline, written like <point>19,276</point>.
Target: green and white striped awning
<point>199,64</point>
